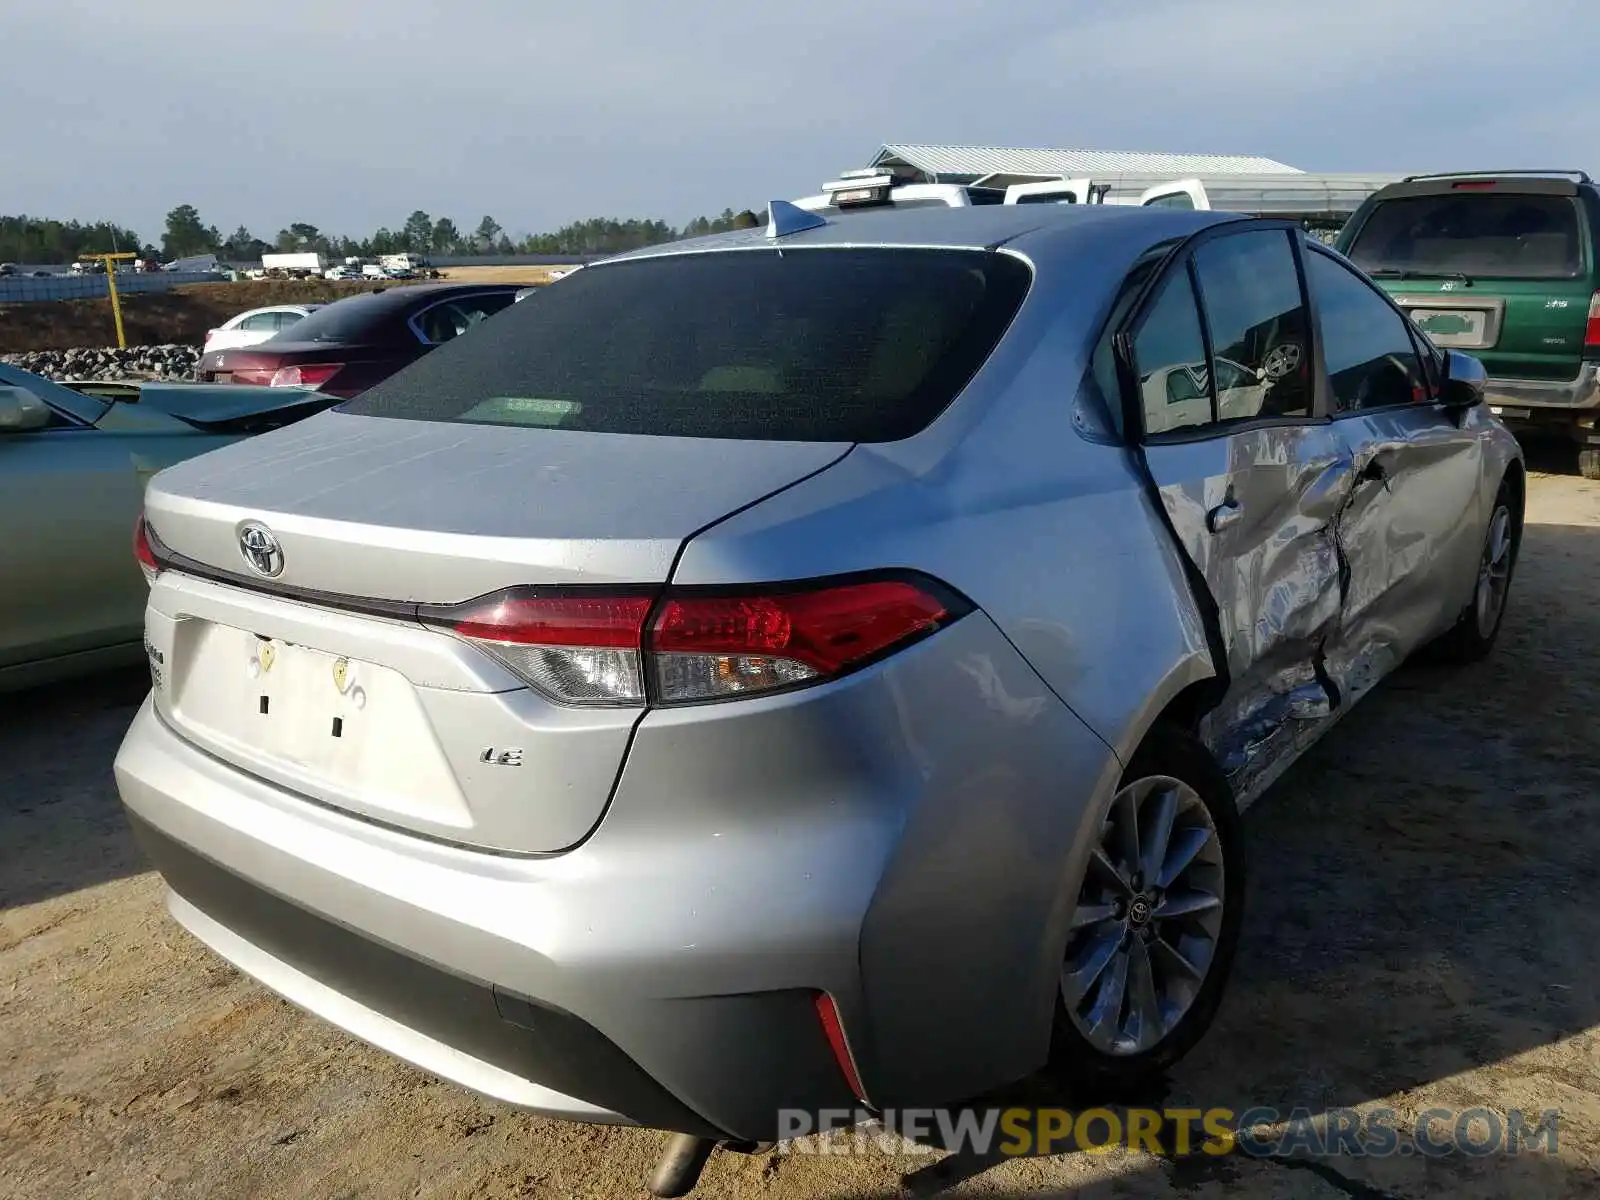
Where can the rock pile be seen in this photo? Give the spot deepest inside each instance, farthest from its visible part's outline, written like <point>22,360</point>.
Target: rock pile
<point>136,362</point>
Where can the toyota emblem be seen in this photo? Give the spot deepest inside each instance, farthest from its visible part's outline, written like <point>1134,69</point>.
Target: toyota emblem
<point>259,546</point>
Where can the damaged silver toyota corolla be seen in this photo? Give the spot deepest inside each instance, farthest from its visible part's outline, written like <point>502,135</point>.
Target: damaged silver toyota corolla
<point>810,667</point>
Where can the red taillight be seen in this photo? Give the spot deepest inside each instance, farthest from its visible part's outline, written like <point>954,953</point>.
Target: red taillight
<point>311,375</point>
<point>708,647</point>
<point>833,1030</point>
<point>260,376</point>
<point>592,648</point>
<point>143,553</point>
<point>579,649</point>
<point>1591,330</point>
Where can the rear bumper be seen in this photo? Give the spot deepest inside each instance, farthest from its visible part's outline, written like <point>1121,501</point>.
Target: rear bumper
<point>902,841</point>
<point>1576,395</point>
<point>490,1039</point>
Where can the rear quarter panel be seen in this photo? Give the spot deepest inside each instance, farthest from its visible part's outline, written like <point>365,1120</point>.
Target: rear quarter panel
<point>1052,535</point>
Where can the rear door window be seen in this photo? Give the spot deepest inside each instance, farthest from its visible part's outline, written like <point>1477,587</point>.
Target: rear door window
<point>1250,289</point>
<point>848,345</point>
<point>1502,236</point>
<point>451,318</point>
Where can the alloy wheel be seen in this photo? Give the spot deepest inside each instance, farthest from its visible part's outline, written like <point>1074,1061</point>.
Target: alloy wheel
<point>1494,572</point>
<point>1146,928</point>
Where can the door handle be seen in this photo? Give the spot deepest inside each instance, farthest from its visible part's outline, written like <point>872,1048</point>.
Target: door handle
<point>1223,515</point>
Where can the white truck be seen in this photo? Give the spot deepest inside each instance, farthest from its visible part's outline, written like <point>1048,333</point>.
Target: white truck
<point>402,266</point>
<point>304,263</point>
<point>1321,203</point>
<point>864,190</point>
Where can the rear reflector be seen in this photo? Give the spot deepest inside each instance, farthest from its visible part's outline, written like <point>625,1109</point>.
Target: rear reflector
<point>603,647</point>
<point>310,375</point>
<point>833,1030</point>
<point>142,552</point>
<point>1591,330</point>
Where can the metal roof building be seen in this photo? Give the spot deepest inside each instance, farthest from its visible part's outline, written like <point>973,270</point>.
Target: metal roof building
<point>1000,166</point>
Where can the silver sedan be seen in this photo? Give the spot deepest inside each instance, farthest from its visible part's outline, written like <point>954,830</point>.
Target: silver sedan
<point>811,667</point>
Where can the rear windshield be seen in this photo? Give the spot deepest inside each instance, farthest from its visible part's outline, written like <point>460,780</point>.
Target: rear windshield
<point>343,321</point>
<point>818,345</point>
<point>1503,236</point>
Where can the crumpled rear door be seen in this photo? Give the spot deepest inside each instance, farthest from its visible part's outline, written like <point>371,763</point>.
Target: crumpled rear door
<point>1257,513</point>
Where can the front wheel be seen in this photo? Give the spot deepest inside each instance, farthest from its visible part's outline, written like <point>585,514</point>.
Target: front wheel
<point>1473,635</point>
<point>1157,918</point>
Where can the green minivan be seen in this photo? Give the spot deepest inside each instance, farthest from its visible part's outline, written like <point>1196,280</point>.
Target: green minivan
<point>1502,265</point>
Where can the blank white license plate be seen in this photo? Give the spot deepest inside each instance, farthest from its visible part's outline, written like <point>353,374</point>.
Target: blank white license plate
<point>1461,327</point>
<point>355,730</point>
<point>1516,414</point>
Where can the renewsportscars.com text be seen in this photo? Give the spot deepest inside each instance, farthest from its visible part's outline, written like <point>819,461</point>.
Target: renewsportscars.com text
<point>1260,1132</point>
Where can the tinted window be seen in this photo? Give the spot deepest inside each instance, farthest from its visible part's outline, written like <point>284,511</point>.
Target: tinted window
<point>1371,360</point>
<point>1171,200</point>
<point>451,318</point>
<point>286,319</point>
<point>347,321</point>
<point>1103,366</point>
<point>804,345</point>
<point>1250,287</point>
<point>1473,233</point>
<point>1170,355</point>
<point>1047,198</point>
<point>260,323</point>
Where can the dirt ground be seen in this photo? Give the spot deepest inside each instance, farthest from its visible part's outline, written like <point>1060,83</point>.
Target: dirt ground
<point>525,275</point>
<point>1422,931</point>
<point>183,315</point>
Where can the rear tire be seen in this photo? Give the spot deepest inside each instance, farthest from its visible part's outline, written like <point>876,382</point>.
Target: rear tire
<point>1103,1041</point>
<point>1589,463</point>
<point>1474,633</point>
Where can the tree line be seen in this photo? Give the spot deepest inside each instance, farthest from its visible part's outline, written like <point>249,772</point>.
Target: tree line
<point>26,239</point>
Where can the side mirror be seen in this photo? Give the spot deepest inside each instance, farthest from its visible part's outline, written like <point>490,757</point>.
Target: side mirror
<point>21,410</point>
<point>1465,381</point>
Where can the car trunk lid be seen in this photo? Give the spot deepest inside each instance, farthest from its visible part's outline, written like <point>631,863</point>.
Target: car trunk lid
<point>437,513</point>
<point>323,679</point>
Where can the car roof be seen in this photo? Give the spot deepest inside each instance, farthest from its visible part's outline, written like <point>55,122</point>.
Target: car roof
<point>1031,229</point>
<point>1513,183</point>
<point>272,308</point>
<point>394,299</point>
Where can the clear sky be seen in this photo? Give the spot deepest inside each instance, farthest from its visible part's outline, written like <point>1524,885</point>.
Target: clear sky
<point>349,114</point>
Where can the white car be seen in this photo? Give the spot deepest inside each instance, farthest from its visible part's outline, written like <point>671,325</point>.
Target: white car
<point>257,325</point>
<point>344,273</point>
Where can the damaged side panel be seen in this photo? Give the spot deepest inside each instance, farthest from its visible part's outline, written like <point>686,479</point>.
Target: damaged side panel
<point>1411,533</point>
<point>1257,512</point>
